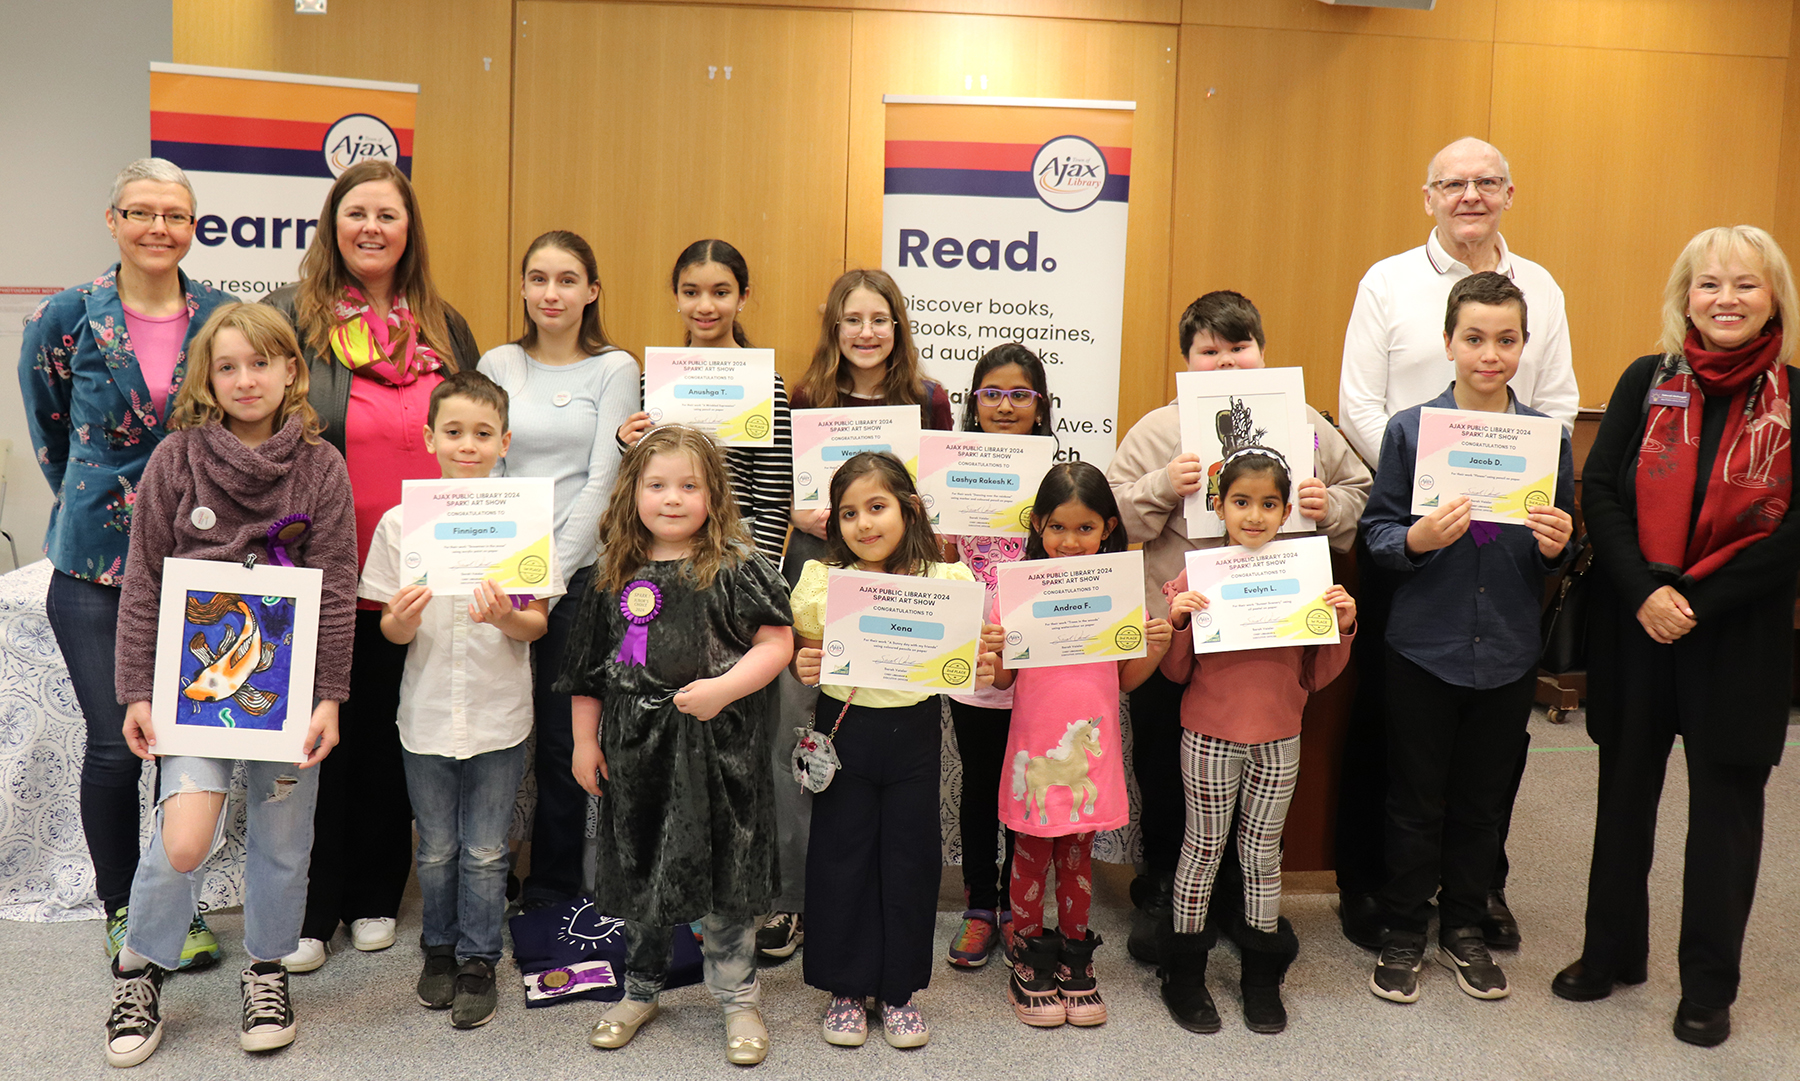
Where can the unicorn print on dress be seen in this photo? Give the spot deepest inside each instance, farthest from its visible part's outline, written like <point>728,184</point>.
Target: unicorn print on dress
<point>1065,764</point>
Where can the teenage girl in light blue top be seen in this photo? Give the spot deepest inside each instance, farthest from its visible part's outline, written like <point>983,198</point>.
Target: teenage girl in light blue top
<point>570,390</point>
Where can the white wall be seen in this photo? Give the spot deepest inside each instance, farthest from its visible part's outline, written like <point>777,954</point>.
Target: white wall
<point>74,108</point>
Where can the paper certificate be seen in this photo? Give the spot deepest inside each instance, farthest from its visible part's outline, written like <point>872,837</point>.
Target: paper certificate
<point>454,533</point>
<point>1072,611</point>
<point>1506,463</point>
<point>901,631</point>
<point>1263,598</point>
<point>980,484</point>
<point>825,438</point>
<point>728,392</point>
<point>1224,411</point>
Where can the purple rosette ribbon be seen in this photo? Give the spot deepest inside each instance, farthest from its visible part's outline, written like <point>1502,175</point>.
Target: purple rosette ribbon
<point>639,602</point>
<point>286,531</point>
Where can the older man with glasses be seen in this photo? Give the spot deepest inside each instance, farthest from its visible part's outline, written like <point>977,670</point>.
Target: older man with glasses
<point>1394,357</point>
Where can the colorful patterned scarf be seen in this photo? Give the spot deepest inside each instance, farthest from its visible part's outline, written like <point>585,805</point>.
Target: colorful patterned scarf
<point>385,349</point>
<point>1747,494</point>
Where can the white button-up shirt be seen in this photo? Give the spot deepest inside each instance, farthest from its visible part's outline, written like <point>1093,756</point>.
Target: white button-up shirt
<point>466,689</point>
<point>1394,347</point>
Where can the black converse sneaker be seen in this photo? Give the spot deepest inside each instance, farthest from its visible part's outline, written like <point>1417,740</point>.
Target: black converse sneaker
<point>1463,950</point>
<point>134,1027</point>
<point>1396,975</point>
<point>268,1014</point>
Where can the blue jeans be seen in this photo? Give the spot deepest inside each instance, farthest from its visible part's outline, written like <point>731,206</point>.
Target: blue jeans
<point>463,808</point>
<point>84,616</point>
<point>278,848</point>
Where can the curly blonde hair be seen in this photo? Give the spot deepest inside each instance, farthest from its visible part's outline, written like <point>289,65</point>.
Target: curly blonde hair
<point>625,541</point>
<point>269,334</point>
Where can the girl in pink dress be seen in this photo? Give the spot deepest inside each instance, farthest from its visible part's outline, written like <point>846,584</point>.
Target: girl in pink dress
<point>1068,713</point>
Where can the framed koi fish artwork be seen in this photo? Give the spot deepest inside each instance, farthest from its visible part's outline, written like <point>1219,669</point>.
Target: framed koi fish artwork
<point>235,652</point>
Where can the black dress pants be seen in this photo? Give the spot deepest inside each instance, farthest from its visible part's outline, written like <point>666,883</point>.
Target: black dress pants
<point>1156,763</point>
<point>1453,754</point>
<point>559,827</point>
<point>981,734</point>
<point>362,826</point>
<point>874,859</point>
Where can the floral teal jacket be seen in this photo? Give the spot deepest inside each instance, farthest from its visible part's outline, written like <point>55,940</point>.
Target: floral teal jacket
<point>93,424</point>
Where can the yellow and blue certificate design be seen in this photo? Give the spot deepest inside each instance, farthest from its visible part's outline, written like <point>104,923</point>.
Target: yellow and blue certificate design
<point>454,533</point>
<point>729,393</point>
<point>1263,598</point>
<point>900,631</point>
<point>827,438</point>
<point>1077,610</point>
<point>1506,463</point>
<point>977,484</point>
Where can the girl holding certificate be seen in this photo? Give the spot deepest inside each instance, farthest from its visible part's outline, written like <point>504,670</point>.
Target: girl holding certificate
<point>873,860</point>
<point>242,469</point>
<point>1008,395</point>
<point>1067,779</point>
<point>1240,750</point>
<point>864,357</point>
<point>567,386</point>
<point>711,282</point>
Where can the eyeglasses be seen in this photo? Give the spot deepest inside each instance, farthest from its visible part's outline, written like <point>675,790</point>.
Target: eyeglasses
<point>880,326</point>
<point>175,219</point>
<point>1019,396</point>
<point>1455,186</point>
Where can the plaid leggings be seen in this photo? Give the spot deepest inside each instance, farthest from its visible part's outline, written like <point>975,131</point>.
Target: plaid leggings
<point>1213,773</point>
<point>1073,855</point>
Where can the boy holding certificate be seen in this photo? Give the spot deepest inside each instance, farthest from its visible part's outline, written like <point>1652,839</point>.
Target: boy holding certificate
<point>465,710</point>
<point>1463,645</point>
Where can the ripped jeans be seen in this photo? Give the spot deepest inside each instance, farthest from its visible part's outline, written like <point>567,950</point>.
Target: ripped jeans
<point>278,851</point>
<point>463,809</point>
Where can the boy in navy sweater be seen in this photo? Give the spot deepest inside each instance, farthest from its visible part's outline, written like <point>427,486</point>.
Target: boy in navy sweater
<point>1462,653</point>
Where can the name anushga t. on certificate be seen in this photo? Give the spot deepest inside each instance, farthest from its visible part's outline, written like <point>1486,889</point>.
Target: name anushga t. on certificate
<point>900,631</point>
<point>1263,598</point>
<point>977,484</point>
<point>826,438</point>
<point>727,392</point>
<point>1506,463</point>
<point>1072,611</point>
<point>454,533</point>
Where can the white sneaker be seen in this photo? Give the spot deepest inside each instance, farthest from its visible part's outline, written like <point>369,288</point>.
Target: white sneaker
<point>375,933</point>
<point>309,956</point>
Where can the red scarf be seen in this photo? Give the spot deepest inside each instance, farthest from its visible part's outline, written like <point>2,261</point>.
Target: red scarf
<point>1747,493</point>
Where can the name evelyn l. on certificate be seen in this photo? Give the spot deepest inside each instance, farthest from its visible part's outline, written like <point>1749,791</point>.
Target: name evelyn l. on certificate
<point>455,533</point>
<point>1506,463</point>
<point>900,631</point>
<point>1072,611</point>
<point>1263,598</point>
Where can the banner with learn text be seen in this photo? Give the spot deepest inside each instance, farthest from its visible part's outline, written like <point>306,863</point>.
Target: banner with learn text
<point>1003,219</point>
<point>262,149</point>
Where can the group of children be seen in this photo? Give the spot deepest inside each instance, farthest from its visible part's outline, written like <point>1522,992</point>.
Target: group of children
<point>679,636</point>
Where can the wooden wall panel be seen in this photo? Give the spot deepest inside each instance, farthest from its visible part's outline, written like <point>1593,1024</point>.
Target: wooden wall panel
<point>1463,20</point>
<point>1787,186</point>
<point>1619,158</point>
<point>460,55</point>
<point>1737,28</point>
<point>1125,11</point>
<point>646,152</point>
<point>1299,160</point>
<point>1033,58</point>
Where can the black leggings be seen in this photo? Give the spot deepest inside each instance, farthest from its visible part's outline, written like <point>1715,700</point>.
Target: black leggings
<point>981,742</point>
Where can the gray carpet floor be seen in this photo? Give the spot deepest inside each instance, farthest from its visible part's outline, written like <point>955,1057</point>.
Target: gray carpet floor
<point>359,1019</point>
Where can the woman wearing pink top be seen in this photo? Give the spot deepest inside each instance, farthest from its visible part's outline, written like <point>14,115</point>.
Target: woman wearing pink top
<point>96,369</point>
<point>377,339</point>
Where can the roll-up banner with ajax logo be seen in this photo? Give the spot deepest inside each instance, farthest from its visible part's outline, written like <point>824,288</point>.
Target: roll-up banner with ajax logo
<point>262,149</point>
<point>1003,220</point>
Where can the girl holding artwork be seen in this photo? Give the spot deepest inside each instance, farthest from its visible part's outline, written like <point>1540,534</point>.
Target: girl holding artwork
<point>242,472</point>
<point>1063,745</point>
<point>670,663</point>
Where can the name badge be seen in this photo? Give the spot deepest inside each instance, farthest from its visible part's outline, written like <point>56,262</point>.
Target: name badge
<point>561,398</point>
<point>1675,398</point>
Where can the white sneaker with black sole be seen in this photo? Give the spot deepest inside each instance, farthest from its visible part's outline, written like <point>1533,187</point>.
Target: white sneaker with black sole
<point>134,1026</point>
<point>268,1012</point>
<point>780,935</point>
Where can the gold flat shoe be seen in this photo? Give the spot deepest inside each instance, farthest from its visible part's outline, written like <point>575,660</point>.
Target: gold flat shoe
<point>620,1023</point>
<point>746,1038</point>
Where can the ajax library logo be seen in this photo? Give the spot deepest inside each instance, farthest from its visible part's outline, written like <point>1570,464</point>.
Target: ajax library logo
<point>1069,173</point>
<point>359,137</point>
